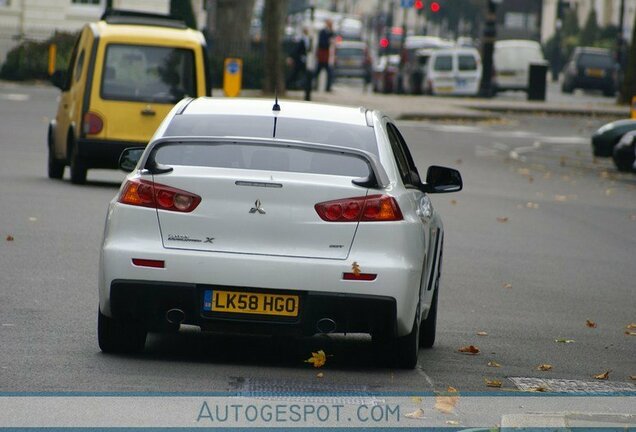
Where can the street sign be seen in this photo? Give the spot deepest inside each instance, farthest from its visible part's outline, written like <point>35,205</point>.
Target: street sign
<point>232,76</point>
<point>407,3</point>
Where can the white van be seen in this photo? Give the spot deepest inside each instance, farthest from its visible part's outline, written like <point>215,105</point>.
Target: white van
<point>453,71</point>
<point>512,59</point>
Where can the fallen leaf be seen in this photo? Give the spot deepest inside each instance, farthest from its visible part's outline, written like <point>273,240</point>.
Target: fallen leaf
<point>452,422</point>
<point>630,333</point>
<point>320,375</point>
<point>631,326</point>
<point>355,268</point>
<point>493,363</point>
<point>632,377</point>
<point>417,414</point>
<point>539,389</point>
<point>417,399</point>
<point>502,219</point>
<point>33,219</point>
<point>318,359</point>
<point>446,404</point>
<point>453,202</point>
<point>482,333</point>
<point>10,238</point>
<point>470,349</point>
<point>532,205</point>
<point>544,367</point>
<point>560,198</point>
<point>493,383</point>
<point>590,324</point>
<point>563,340</point>
<point>507,285</point>
<point>602,376</point>
<point>451,389</point>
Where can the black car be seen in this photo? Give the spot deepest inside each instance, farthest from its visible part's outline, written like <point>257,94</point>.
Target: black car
<point>607,136</point>
<point>590,69</point>
<point>624,153</point>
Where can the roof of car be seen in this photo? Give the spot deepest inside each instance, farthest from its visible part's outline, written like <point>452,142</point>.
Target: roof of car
<point>592,50</point>
<point>288,109</point>
<point>141,31</point>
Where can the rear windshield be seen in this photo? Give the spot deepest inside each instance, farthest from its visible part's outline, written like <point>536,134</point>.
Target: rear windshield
<point>596,60</point>
<point>350,52</point>
<point>315,131</point>
<point>443,63</point>
<point>467,63</point>
<point>261,157</point>
<point>148,73</point>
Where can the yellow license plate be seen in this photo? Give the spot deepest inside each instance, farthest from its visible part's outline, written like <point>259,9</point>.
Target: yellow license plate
<point>595,73</point>
<point>251,303</point>
<point>444,89</point>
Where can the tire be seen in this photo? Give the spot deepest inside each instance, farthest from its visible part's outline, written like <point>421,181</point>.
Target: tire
<point>118,337</point>
<point>428,327</point>
<point>55,166</point>
<point>623,157</point>
<point>407,347</point>
<point>78,166</point>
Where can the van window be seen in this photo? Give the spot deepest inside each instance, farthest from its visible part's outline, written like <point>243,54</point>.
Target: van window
<point>443,63</point>
<point>148,73</point>
<point>467,62</point>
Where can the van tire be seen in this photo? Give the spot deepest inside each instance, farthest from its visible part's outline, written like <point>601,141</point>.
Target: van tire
<point>55,166</point>
<point>78,166</point>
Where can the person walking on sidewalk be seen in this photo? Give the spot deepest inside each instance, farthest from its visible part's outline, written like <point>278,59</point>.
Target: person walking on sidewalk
<point>323,53</point>
<point>298,60</point>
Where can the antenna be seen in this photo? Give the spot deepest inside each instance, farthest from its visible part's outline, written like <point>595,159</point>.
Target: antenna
<point>276,107</point>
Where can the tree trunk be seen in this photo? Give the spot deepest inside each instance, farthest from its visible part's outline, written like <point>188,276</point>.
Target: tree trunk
<point>629,83</point>
<point>230,30</point>
<point>274,15</point>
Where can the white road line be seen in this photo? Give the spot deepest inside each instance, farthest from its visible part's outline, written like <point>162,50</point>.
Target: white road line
<point>425,376</point>
<point>16,97</point>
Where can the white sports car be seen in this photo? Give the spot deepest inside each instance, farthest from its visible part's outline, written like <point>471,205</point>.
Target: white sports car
<point>297,218</point>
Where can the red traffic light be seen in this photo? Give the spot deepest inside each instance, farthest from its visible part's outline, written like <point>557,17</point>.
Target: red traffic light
<point>384,42</point>
<point>419,4</point>
<point>435,7</point>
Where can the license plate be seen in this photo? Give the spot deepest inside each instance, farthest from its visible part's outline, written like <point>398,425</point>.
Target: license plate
<point>595,73</point>
<point>250,303</point>
<point>444,89</point>
<point>507,73</point>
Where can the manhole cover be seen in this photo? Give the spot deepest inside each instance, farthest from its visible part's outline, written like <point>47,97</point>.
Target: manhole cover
<point>571,386</point>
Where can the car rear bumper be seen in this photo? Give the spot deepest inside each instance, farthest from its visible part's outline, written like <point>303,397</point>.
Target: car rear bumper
<point>148,301</point>
<point>103,153</point>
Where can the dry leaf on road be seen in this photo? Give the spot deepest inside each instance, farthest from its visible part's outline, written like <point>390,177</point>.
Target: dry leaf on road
<point>446,404</point>
<point>320,375</point>
<point>632,377</point>
<point>493,383</point>
<point>539,389</point>
<point>544,367</point>
<point>470,349</point>
<point>630,333</point>
<point>318,359</point>
<point>417,414</point>
<point>563,340</point>
<point>493,363</point>
<point>602,376</point>
<point>10,238</point>
<point>631,326</point>
<point>452,422</point>
<point>507,285</point>
<point>502,219</point>
<point>482,333</point>
<point>590,324</point>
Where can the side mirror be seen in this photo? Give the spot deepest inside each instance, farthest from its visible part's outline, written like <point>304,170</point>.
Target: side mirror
<point>442,180</point>
<point>129,158</point>
<point>58,79</point>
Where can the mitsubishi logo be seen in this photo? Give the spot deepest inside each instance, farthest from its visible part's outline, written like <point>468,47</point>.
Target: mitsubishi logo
<point>257,207</point>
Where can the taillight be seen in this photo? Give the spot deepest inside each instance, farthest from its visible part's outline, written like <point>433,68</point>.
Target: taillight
<point>372,208</point>
<point>92,123</point>
<point>148,194</point>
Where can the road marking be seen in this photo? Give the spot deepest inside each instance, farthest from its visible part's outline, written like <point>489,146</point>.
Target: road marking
<point>423,374</point>
<point>15,97</point>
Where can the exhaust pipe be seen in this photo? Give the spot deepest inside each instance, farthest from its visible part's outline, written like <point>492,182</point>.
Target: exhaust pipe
<point>326,325</point>
<point>175,316</point>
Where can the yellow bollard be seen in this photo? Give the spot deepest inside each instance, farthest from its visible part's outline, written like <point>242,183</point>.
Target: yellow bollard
<point>633,110</point>
<point>232,76</point>
<point>52,57</point>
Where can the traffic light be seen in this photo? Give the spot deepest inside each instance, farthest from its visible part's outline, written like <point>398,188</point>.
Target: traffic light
<point>435,7</point>
<point>419,5</point>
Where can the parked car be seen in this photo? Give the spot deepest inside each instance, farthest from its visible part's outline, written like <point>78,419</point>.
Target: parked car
<point>624,153</point>
<point>352,60</point>
<point>125,74</point>
<point>325,227</point>
<point>417,51</point>
<point>453,71</point>
<point>512,60</point>
<point>607,136</point>
<point>591,69</point>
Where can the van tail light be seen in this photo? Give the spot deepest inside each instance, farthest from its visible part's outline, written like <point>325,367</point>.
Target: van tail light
<point>372,208</point>
<point>92,123</point>
<point>148,194</point>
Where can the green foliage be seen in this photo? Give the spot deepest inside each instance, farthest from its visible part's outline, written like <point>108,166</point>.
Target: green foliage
<point>30,59</point>
<point>182,9</point>
<point>570,23</point>
<point>590,33</point>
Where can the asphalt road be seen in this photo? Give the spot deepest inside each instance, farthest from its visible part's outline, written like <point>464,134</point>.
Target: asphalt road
<point>541,240</point>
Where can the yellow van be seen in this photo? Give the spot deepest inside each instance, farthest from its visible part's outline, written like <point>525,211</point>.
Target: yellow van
<point>125,73</point>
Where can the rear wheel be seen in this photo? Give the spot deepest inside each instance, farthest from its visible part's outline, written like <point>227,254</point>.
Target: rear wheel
<point>78,166</point>
<point>55,166</point>
<point>428,328</point>
<point>623,157</point>
<point>407,347</point>
<point>118,337</point>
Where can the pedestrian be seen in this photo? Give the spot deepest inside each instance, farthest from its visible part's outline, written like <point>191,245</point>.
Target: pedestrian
<point>323,53</point>
<point>298,60</point>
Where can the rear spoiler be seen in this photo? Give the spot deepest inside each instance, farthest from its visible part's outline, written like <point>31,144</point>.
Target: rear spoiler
<point>377,178</point>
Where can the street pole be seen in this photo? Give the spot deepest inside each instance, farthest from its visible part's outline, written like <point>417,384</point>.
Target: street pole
<point>556,63</point>
<point>620,41</point>
<point>310,60</point>
<point>400,83</point>
<point>487,49</point>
